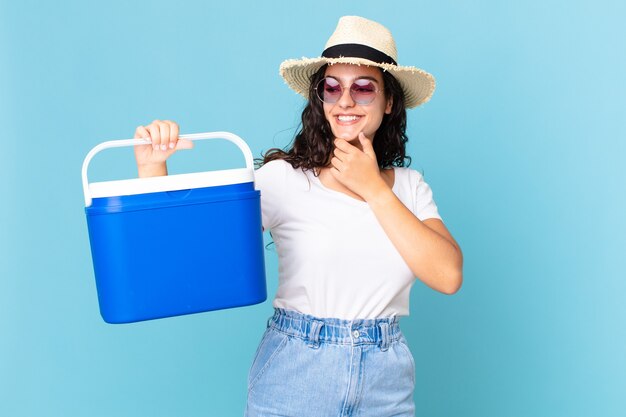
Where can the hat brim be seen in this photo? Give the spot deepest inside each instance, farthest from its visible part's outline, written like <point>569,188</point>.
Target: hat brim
<point>417,84</point>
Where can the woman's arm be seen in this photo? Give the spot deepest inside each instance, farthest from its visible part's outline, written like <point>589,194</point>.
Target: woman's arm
<point>426,246</point>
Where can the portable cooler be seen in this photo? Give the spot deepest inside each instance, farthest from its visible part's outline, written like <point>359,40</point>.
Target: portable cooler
<point>174,245</point>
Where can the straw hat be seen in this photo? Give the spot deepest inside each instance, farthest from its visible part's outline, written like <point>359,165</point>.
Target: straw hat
<point>362,42</point>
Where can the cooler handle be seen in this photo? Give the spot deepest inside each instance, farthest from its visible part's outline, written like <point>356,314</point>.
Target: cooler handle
<point>243,146</point>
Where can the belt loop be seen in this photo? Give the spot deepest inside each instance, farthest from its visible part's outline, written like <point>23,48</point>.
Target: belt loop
<point>314,334</point>
<point>384,336</point>
<point>272,317</point>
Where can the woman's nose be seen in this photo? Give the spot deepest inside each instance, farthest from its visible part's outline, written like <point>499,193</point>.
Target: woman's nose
<point>345,100</point>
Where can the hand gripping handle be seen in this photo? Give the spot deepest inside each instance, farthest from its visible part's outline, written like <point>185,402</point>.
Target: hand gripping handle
<point>243,146</point>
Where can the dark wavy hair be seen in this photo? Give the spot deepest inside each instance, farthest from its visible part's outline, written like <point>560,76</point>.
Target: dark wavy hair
<point>313,144</point>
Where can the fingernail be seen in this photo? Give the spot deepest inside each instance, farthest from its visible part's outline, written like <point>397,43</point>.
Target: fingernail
<point>163,147</point>
<point>172,145</point>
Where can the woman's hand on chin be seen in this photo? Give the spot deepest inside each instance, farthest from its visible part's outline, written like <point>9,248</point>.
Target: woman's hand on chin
<point>357,168</point>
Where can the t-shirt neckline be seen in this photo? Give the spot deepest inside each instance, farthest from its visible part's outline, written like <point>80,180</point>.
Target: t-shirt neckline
<point>346,196</point>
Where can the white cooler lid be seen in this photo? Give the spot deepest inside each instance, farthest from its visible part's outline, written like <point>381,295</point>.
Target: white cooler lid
<point>170,182</point>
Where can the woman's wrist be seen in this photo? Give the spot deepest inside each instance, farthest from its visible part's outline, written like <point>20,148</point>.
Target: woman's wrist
<point>152,170</point>
<point>379,194</point>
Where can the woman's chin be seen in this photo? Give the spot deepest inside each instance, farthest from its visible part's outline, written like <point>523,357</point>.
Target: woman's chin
<point>349,136</point>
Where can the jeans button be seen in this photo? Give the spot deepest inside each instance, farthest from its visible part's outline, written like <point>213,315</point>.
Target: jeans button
<point>356,334</point>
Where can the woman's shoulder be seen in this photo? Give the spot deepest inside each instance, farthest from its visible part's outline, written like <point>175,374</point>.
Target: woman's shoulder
<point>277,166</point>
<point>407,174</point>
<point>281,166</point>
<point>279,172</point>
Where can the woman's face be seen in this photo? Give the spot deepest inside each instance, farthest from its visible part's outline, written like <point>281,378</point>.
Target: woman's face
<point>347,118</point>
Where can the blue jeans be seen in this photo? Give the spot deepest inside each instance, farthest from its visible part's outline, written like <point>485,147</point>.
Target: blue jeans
<point>308,366</point>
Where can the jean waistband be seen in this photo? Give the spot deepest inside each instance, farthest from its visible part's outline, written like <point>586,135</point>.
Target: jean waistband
<point>381,331</point>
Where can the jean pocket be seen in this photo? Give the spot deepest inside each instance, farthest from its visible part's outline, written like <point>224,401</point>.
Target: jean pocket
<point>271,345</point>
<point>405,347</point>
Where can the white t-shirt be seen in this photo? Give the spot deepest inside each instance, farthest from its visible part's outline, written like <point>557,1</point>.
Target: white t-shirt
<point>334,258</point>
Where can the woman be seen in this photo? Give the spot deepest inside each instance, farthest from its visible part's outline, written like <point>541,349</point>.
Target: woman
<point>352,229</point>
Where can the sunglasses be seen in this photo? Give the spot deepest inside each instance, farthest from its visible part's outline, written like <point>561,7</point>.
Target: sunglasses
<point>363,90</point>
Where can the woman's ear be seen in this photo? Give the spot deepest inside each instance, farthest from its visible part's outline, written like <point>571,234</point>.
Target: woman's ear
<point>389,105</point>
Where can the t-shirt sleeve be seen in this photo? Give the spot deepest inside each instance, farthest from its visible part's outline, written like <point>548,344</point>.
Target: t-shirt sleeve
<point>270,181</point>
<point>424,206</point>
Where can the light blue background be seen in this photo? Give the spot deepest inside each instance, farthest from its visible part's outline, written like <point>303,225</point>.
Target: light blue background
<point>523,145</point>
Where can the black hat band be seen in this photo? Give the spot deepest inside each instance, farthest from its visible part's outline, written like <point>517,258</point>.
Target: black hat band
<point>355,50</point>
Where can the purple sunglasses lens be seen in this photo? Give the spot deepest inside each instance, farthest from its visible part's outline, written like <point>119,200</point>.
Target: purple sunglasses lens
<point>331,90</point>
<point>362,91</point>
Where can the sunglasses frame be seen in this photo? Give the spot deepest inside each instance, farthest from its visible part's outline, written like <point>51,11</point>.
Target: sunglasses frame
<point>359,102</point>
